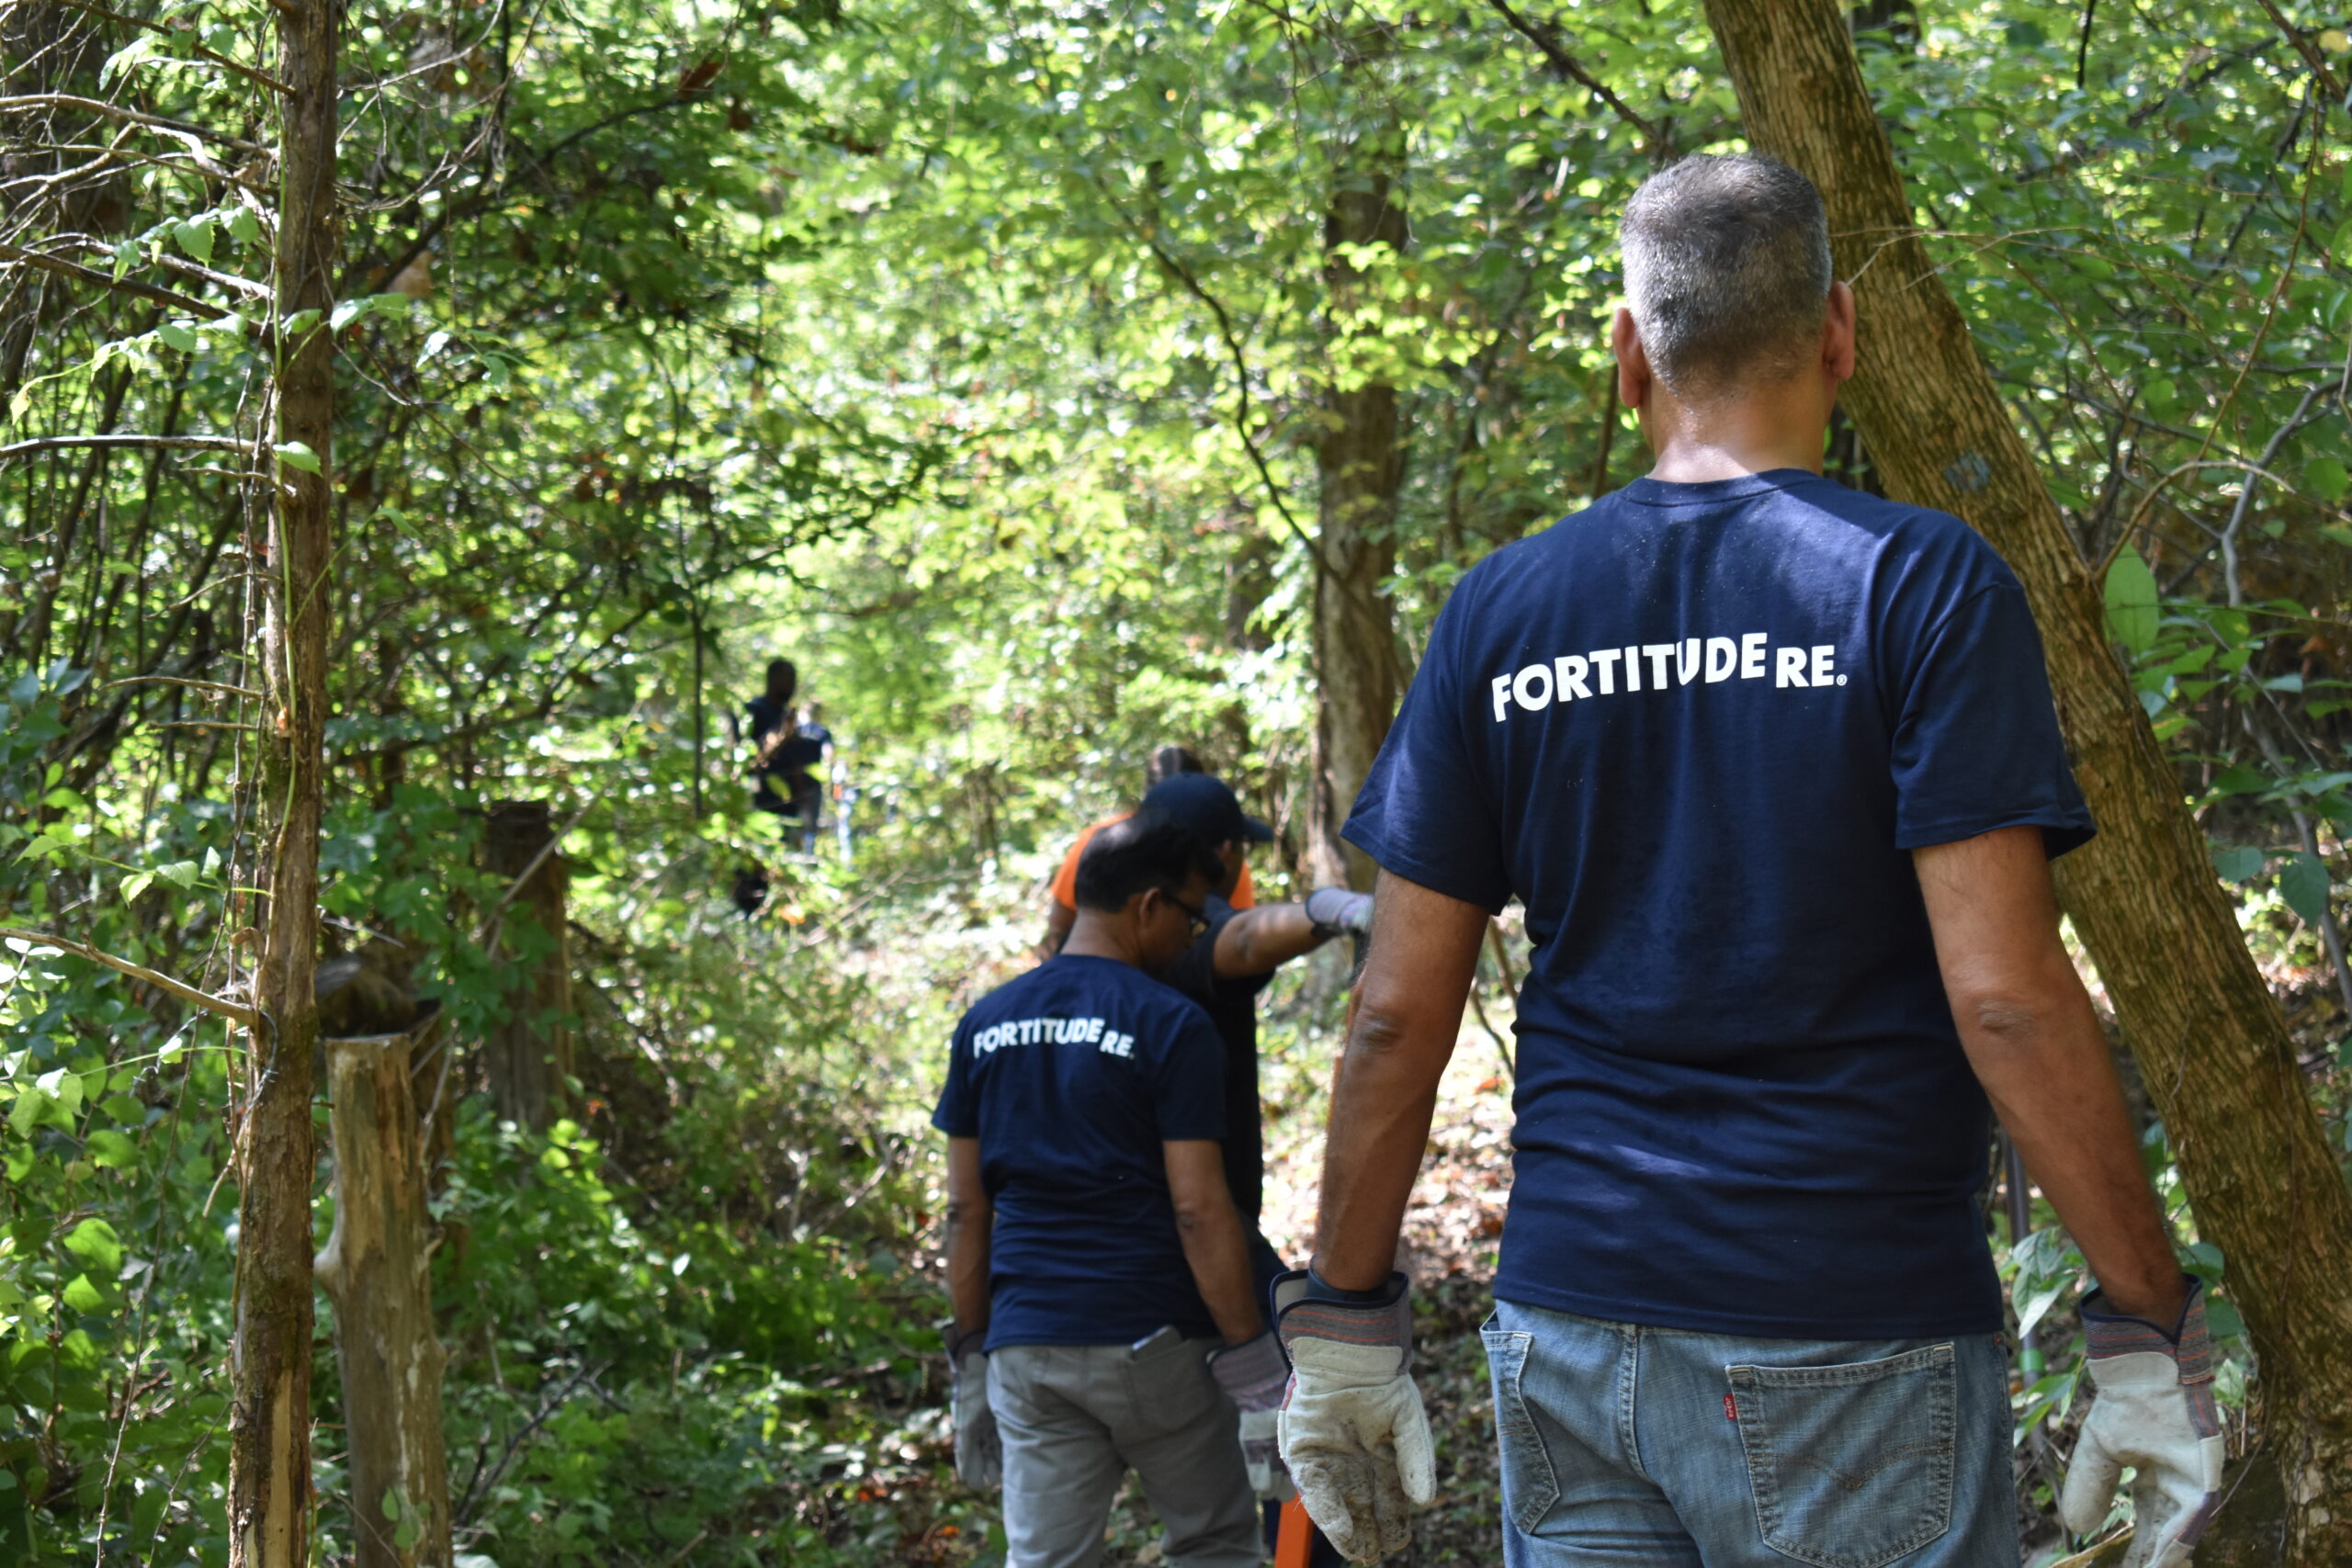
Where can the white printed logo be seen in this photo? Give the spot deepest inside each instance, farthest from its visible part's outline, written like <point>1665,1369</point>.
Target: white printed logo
<point>1054,1031</point>
<point>1605,672</point>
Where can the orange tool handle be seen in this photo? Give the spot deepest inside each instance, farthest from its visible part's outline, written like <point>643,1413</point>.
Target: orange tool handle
<point>1293,1537</point>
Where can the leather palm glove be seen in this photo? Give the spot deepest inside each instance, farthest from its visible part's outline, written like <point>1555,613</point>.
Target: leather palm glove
<point>980,1451</point>
<point>1352,1430</point>
<point>2155,1412</point>
<point>1254,1375</point>
<point>1335,910</point>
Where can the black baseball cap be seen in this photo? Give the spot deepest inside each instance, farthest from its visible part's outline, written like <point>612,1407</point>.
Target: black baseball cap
<point>1206,806</point>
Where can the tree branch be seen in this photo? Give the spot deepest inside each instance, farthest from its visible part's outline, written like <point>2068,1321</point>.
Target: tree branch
<point>116,111</point>
<point>1563,65</point>
<point>81,274</point>
<point>221,1007</point>
<point>260,78</point>
<point>186,443</point>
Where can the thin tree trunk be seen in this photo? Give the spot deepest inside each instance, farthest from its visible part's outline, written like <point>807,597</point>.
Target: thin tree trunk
<point>269,1453</point>
<point>1361,462</point>
<point>377,1270</point>
<point>530,1054</point>
<point>2208,1035</point>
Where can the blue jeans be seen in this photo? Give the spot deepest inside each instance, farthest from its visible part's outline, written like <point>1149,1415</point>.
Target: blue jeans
<point>1626,1446</point>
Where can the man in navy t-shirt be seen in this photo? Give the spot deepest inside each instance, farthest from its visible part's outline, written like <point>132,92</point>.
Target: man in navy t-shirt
<point>1774,767</point>
<point>1094,1252</point>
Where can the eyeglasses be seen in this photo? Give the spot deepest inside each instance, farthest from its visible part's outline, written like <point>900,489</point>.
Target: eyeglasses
<point>1197,920</point>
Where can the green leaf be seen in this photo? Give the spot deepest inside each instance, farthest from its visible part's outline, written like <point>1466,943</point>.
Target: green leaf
<point>179,337</point>
<point>138,882</point>
<point>2327,478</point>
<point>346,312</point>
<point>243,227</point>
<point>2132,602</point>
<point>2303,885</point>
<point>181,874</point>
<point>2241,781</point>
<point>96,1243</point>
<point>300,322</point>
<point>83,1295</point>
<point>195,238</point>
<point>297,454</point>
<point>112,1151</point>
<point>2238,863</point>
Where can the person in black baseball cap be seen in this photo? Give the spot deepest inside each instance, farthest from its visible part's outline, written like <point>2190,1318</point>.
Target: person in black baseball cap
<point>1225,967</point>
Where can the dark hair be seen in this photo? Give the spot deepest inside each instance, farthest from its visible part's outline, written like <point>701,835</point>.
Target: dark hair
<point>1166,762</point>
<point>1136,853</point>
<point>1727,269</point>
<point>783,679</point>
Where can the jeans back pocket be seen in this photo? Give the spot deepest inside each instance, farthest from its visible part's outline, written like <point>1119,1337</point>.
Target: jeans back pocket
<point>1852,1465</point>
<point>1529,1487</point>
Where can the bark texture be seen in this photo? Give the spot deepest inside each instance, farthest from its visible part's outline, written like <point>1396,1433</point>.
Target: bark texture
<point>377,1271</point>
<point>1361,463</point>
<point>530,1054</point>
<point>2209,1038</point>
<point>269,1424</point>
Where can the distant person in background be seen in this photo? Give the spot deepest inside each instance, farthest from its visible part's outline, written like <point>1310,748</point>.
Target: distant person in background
<point>1061,905</point>
<point>787,744</point>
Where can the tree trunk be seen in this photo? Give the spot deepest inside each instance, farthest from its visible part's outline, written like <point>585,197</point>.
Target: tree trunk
<point>530,1053</point>
<point>377,1271</point>
<point>269,1424</point>
<point>2205,1028</point>
<point>1361,463</point>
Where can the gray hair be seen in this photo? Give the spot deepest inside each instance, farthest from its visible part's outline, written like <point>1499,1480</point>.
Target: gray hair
<point>1727,269</point>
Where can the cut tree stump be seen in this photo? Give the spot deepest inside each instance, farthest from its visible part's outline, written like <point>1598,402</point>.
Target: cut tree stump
<point>377,1271</point>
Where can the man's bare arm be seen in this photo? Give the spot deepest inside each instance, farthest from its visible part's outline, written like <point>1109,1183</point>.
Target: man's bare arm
<point>1261,941</point>
<point>969,1217</point>
<point>1211,1231</point>
<point>2036,1047</point>
<point>1402,1024</point>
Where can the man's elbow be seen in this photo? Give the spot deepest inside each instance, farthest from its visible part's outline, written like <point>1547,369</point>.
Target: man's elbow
<point>1199,1213</point>
<point>1384,1026</point>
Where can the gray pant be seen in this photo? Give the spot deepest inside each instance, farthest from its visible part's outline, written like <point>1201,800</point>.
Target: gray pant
<point>1074,1418</point>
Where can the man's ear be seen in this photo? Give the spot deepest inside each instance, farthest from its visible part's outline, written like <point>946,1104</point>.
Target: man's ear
<point>1634,374</point>
<point>1838,335</point>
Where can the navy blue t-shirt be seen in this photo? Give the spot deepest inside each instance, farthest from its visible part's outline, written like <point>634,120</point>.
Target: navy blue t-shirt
<point>1071,1077</point>
<point>1697,729</point>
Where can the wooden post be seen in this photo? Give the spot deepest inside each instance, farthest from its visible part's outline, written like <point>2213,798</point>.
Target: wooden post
<point>530,1055</point>
<point>376,1272</point>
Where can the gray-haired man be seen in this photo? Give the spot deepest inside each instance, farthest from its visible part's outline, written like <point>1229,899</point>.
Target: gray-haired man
<point>1774,767</point>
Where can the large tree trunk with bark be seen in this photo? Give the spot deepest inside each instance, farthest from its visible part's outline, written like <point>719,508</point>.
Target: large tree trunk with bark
<point>269,1452</point>
<point>1361,462</point>
<point>377,1270</point>
<point>2205,1028</point>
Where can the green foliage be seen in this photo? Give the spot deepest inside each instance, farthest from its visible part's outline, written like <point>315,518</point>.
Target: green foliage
<point>977,356</point>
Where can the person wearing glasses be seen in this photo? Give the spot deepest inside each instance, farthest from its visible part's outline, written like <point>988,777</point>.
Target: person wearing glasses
<point>1094,1254</point>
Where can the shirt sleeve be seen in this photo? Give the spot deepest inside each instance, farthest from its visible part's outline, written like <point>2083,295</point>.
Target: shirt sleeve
<point>1188,1090</point>
<point>1977,746</point>
<point>1425,811</point>
<point>958,1112</point>
<point>1065,879</point>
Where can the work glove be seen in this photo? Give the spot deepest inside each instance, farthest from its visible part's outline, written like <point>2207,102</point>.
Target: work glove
<point>980,1451</point>
<point>2155,1412</point>
<point>1338,909</point>
<point>1352,1431</point>
<point>1254,1375</point>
